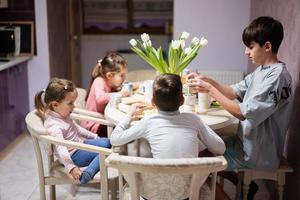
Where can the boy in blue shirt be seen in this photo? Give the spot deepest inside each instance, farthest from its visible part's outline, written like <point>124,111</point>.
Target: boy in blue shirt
<point>265,100</point>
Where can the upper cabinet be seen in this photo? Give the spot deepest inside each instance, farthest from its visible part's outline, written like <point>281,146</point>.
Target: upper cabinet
<point>18,10</point>
<point>127,16</point>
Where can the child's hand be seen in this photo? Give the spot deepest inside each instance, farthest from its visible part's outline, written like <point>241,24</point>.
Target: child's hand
<point>124,92</point>
<point>198,82</point>
<point>76,173</point>
<point>136,109</point>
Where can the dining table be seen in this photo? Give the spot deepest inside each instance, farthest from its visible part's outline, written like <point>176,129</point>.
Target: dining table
<point>215,118</point>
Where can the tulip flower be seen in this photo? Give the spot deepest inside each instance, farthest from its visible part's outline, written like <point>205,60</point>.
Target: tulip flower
<point>203,42</point>
<point>184,36</point>
<point>187,50</point>
<point>145,37</point>
<point>178,56</point>
<point>133,42</point>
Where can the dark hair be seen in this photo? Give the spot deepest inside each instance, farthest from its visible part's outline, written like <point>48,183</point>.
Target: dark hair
<point>112,62</point>
<point>56,90</point>
<point>167,92</point>
<point>262,30</point>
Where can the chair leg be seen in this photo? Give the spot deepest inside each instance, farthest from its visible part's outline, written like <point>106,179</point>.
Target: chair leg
<point>42,192</point>
<point>246,183</point>
<point>213,185</point>
<point>52,192</point>
<point>113,189</point>
<point>239,185</point>
<point>121,185</point>
<point>134,187</point>
<point>280,184</point>
<point>220,180</point>
<point>73,190</point>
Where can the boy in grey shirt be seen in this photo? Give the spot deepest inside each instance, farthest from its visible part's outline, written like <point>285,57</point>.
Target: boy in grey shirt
<point>265,100</point>
<point>171,134</point>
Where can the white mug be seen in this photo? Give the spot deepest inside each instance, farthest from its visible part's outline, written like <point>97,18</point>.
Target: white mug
<point>204,101</point>
<point>148,91</point>
<point>187,108</point>
<point>189,99</point>
<point>189,103</point>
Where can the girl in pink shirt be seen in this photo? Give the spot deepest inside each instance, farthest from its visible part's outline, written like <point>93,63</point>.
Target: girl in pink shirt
<point>107,77</point>
<point>54,105</point>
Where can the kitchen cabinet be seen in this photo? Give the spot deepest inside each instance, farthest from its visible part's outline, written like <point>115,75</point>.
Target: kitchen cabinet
<point>14,102</point>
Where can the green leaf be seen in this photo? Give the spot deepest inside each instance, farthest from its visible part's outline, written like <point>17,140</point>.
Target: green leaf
<point>176,62</point>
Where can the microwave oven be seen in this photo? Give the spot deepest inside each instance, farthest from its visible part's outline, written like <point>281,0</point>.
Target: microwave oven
<point>10,41</point>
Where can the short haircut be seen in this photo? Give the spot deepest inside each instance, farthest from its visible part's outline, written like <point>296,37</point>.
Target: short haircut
<point>263,29</point>
<point>167,92</point>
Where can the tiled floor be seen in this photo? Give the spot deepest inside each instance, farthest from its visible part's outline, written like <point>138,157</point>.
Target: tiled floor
<point>19,179</point>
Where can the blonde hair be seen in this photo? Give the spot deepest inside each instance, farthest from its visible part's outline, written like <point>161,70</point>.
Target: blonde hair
<point>56,90</point>
<point>112,62</point>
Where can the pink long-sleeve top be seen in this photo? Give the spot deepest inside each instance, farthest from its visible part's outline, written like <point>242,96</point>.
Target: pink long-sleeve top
<point>97,101</point>
<point>65,129</point>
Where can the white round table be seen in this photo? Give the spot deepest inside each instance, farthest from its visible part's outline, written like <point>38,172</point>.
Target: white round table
<point>215,118</point>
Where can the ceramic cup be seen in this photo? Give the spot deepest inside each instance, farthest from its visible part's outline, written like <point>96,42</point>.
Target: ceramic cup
<point>189,99</point>
<point>128,86</point>
<point>189,103</point>
<point>204,101</point>
<point>148,91</point>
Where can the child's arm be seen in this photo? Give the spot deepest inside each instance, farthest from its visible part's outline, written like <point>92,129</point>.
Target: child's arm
<point>121,134</point>
<point>101,93</point>
<point>222,93</point>
<point>196,82</point>
<point>211,140</point>
<point>62,152</point>
<point>85,133</point>
<point>227,104</point>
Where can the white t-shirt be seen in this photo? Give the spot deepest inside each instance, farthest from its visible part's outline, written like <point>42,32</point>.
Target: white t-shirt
<point>170,135</point>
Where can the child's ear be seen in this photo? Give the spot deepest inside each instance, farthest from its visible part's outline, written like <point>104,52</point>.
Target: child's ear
<point>54,104</point>
<point>268,46</point>
<point>109,75</point>
<point>152,102</point>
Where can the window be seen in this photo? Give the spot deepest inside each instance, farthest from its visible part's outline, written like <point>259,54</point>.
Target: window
<point>127,16</point>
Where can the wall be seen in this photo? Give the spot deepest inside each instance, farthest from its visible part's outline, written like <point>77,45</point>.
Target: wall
<point>222,23</point>
<point>94,47</point>
<point>38,66</point>
<point>288,13</point>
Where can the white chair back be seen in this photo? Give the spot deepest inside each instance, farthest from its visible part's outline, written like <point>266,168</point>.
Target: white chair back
<point>80,100</point>
<point>166,178</point>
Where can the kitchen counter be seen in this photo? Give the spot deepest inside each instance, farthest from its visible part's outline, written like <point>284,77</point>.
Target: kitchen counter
<point>13,61</point>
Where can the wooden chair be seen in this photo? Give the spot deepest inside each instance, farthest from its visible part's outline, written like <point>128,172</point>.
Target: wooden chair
<point>80,106</point>
<point>83,114</point>
<point>54,173</point>
<point>165,178</point>
<point>80,100</point>
<point>278,176</point>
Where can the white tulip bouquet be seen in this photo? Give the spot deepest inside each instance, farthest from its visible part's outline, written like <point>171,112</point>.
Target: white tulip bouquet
<point>178,56</point>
